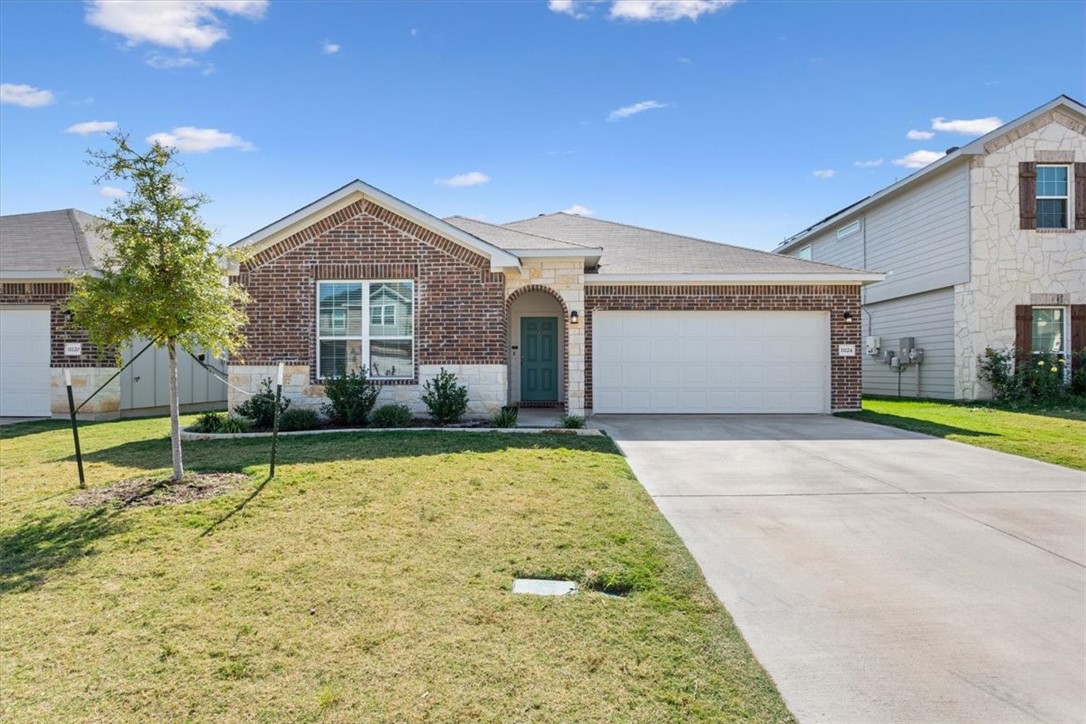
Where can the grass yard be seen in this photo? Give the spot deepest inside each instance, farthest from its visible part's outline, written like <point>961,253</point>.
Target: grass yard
<point>1057,436</point>
<point>369,581</point>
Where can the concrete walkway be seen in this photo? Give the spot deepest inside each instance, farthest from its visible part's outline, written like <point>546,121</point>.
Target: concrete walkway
<point>880,575</point>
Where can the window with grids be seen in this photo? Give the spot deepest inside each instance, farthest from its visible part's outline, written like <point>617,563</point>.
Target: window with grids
<point>1053,197</point>
<point>366,325</point>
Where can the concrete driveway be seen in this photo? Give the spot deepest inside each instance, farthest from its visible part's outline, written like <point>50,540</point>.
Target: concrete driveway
<point>881,575</point>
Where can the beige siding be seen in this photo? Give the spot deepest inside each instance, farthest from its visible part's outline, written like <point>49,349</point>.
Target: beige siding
<point>929,318</point>
<point>919,238</point>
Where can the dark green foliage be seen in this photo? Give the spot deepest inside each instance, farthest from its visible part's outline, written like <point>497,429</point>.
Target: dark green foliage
<point>234,424</point>
<point>351,397</point>
<point>446,400</point>
<point>300,418</point>
<point>506,418</point>
<point>1030,379</point>
<point>392,416</point>
<point>208,422</point>
<point>260,408</point>
<point>571,422</point>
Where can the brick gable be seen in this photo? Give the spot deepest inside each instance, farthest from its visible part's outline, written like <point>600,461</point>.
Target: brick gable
<point>55,296</point>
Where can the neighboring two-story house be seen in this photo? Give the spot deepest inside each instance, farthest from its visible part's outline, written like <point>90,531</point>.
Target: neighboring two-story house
<point>985,247</point>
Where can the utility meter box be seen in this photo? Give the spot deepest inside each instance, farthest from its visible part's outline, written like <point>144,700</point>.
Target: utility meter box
<point>872,345</point>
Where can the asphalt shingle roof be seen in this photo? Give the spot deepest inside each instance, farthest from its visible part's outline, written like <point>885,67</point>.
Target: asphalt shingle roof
<point>634,250</point>
<point>507,238</point>
<point>48,241</point>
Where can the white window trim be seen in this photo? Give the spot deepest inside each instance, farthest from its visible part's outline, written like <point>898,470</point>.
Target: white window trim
<point>1065,336</point>
<point>805,249</point>
<point>384,319</point>
<point>850,228</point>
<point>1066,198</point>
<point>365,338</point>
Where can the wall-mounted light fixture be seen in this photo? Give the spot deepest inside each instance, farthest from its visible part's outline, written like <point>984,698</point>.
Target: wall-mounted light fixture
<point>574,318</point>
<point>68,316</point>
<point>848,317</point>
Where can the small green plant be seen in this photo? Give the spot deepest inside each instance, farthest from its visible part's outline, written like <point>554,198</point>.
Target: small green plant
<point>571,422</point>
<point>234,424</point>
<point>446,400</point>
<point>506,418</point>
<point>1020,378</point>
<point>351,397</point>
<point>260,408</point>
<point>208,422</point>
<point>392,416</point>
<point>300,418</point>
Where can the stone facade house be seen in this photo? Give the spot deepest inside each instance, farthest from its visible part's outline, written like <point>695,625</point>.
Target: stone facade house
<point>38,341</point>
<point>984,248</point>
<point>556,310</point>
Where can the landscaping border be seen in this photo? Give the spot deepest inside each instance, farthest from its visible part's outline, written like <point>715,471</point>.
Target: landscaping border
<point>589,432</point>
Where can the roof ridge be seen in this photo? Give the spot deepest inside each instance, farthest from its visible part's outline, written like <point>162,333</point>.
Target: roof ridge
<point>684,236</point>
<point>80,239</point>
<point>525,233</point>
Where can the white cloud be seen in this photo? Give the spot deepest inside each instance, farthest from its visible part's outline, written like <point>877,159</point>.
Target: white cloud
<point>578,210</point>
<point>159,61</point>
<point>565,7</point>
<point>918,159</point>
<point>189,139</point>
<point>182,24</point>
<point>92,127</point>
<point>627,111</point>
<point>329,48</point>
<point>666,10</point>
<point>414,32</point>
<point>873,163</point>
<point>967,127</point>
<point>112,192</point>
<point>915,135</point>
<point>824,173</point>
<point>26,96</point>
<point>472,178</point>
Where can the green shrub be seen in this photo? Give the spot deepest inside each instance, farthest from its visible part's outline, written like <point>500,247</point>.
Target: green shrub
<point>1024,378</point>
<point>260,408</point>
<point>234,424</point>
<point>446,400</point>
<point>351,398</point>
<point>571,422</point>
<point>506,418</point>
<point>208,422</point>
<point>300,418</point>
<point>392,416</point>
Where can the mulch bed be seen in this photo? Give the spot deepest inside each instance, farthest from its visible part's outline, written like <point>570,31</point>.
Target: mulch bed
<point>146,492</point>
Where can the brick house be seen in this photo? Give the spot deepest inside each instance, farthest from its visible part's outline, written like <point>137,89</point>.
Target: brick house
<point>558,310</point>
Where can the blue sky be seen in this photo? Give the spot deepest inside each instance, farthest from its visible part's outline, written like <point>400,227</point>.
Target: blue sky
<point>744,122</point>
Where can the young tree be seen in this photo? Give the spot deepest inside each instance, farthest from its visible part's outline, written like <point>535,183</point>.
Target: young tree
<point>160,275</point>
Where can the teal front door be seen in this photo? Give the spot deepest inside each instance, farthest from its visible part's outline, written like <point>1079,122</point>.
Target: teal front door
<point>539,359</point>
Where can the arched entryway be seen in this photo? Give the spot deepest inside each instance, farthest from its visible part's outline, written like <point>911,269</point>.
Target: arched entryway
<point>538,347</point>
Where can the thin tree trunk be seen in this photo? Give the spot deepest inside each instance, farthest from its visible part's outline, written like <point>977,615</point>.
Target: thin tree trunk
<point>175,412</point>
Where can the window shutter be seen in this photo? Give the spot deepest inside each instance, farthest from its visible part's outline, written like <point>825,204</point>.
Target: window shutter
<point>1023,331</point>
<point>1078,335</point>
<point>1027,195</point>
<point>1080,196</point>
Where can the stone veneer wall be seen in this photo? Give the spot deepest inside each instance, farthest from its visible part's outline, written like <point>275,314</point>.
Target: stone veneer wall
<point>486,386</point>
<point>85,380</point>
<point>563,278</point>
<point>845,374</point>
<point>1010,265</point>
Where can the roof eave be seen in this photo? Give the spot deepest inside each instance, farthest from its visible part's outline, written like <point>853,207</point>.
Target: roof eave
<point>862,278</point>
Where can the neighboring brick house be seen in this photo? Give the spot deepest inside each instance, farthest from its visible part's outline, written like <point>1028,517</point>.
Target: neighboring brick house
<point>986,247</point>
<point>554,310</point>
<point>38,341</point>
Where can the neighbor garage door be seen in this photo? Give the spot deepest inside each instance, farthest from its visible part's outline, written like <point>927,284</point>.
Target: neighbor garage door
<point>24,362</point>
<point>710,362</point>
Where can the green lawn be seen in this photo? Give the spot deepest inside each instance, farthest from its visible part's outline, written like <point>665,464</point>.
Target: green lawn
<point>369,581</point>
<point>1054,436</point>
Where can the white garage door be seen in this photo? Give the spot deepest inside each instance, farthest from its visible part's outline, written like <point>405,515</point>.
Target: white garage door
<point>710,362</point>
<point>24,362</point>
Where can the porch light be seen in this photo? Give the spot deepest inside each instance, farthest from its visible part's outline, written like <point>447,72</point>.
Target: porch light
<point>68,316</point>
<point>574,318</point>
<point>848,317</point>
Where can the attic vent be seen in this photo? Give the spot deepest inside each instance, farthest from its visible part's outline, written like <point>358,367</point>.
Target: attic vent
<point>849,229</point>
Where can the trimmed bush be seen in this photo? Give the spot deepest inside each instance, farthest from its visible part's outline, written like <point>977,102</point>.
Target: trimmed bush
<point>446,400</point>
<point>233,424</point>
<point>506,418</point>
<point>571,422</point>
<point>351,398</point>
<point>392,416</point>
<point>1023,378</point>
<point>208,422</point>
<point>300,418</point>
<point>260,408</point>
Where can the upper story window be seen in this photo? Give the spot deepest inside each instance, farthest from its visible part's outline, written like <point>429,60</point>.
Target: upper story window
<point>1053,197</point>
<point>804,252</point>
<point>365,325</point>
<point>849,229</point>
